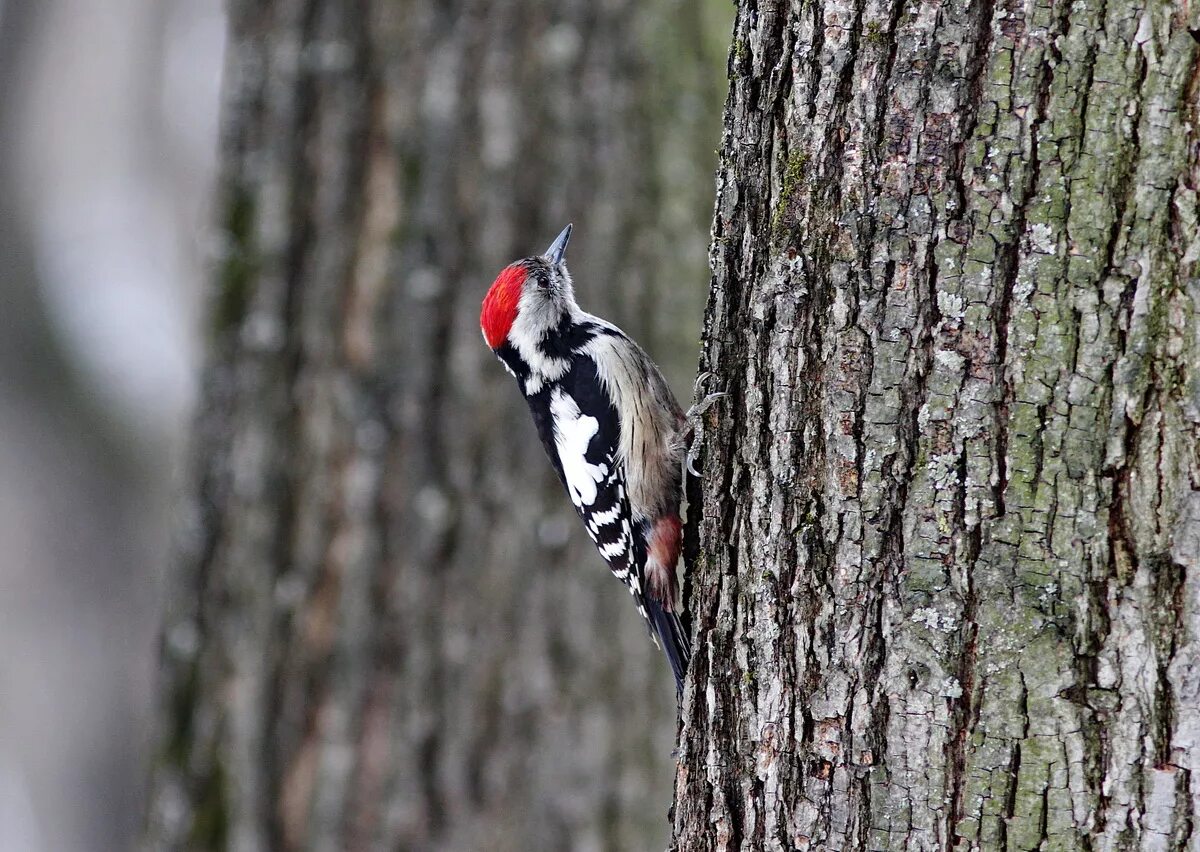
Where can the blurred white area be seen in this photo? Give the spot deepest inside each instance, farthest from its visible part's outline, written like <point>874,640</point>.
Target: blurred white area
<point>110,148</point>
<point>118,157</point>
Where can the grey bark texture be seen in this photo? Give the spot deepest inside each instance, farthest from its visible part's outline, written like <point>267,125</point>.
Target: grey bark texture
<point>946,579</point>
<point>386,629</point>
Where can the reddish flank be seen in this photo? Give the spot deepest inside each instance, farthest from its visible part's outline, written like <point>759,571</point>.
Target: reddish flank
<point>500,304</point>
<point>664,545</point>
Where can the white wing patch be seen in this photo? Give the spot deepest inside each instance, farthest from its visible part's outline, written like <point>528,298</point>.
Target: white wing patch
<point>609,551</point>
<point>573,431</point>
<point>603,519</point>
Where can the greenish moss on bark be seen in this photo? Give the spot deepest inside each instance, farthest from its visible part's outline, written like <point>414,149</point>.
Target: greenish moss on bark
<point>210,826</point>
<point>239,265</point>
<point>977,357</point>
<point>789,183</point>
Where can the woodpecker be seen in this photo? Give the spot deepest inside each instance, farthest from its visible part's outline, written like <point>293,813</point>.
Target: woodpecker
<point>613,430</point>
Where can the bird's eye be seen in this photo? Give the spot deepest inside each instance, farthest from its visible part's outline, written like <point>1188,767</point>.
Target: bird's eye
<point>543,281</point>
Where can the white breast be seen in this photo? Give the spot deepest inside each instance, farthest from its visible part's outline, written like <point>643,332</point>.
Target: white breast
<point>648,431</point>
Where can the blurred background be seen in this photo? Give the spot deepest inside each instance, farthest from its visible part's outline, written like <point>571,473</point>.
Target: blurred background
<point>108,120</point>
<point>375,165</point>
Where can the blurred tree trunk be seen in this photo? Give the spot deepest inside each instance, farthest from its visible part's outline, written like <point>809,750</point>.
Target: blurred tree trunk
<point>947,588</point>
<point>386,628</point>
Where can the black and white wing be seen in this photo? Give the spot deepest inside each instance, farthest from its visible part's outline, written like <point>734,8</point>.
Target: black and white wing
<point>583,442</point>
<point>580,428</point>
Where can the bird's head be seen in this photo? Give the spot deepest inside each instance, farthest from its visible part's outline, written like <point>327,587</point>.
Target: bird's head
<point>529,297</point>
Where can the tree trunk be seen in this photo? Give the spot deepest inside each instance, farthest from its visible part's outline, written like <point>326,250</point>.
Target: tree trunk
<point>386,628</point>
<point>947,581</point>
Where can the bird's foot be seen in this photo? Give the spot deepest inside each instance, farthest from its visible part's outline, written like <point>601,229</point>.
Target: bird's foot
<point>695,421</point>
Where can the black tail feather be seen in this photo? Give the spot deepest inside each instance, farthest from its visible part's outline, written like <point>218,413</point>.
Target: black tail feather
<point>673,637</point>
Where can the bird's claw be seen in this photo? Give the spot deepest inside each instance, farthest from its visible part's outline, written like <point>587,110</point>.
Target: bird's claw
<point>695,421</point>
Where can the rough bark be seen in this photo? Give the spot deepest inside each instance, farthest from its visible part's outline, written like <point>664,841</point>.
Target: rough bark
<point>386,628</point>
<point>947,575</point>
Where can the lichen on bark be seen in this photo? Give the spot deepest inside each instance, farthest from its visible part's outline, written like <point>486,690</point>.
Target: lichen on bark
<point>950,595</point>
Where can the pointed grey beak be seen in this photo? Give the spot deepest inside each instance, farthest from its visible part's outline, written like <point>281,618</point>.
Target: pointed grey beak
<point>558,248</point>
